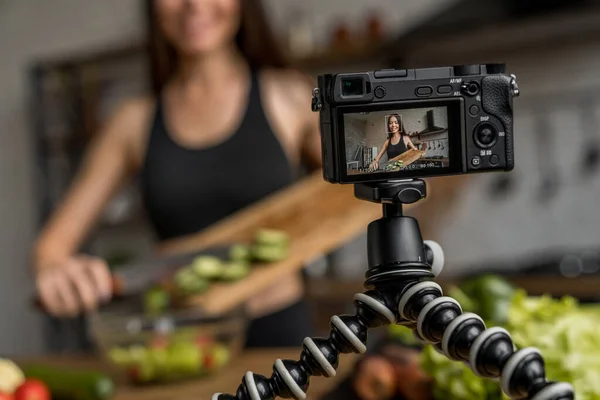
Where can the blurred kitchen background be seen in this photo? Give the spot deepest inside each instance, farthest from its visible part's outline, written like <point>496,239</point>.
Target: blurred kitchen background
<point>65,64</point>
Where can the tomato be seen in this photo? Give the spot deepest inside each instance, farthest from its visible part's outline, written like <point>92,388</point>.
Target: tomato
<point>5,396</point>
<point>32,389</point>
<point>209,361</point>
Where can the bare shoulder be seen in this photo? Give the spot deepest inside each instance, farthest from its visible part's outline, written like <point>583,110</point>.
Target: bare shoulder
<point>132,115</point>
<point>291,87</point>
<point>128,127</point>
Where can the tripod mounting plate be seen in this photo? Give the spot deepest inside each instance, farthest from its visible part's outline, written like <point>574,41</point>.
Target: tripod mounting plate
<point>392,192</point>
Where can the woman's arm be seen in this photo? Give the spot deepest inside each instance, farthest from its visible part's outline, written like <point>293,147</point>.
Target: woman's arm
<point>410,144</point>
<point>107,165</point>
<point>68,283</point>
<point>383,149</point>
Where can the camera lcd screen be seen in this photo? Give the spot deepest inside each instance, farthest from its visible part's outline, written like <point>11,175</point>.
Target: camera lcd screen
<point>405,142</point>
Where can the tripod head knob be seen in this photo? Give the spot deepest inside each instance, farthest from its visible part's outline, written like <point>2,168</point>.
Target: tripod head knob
<point>393,192</point>
<point>434,255</point>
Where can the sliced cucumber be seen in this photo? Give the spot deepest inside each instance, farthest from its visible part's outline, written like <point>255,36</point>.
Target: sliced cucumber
<point>184,276</point>
<point>156,301</point>
<point>235,270</point>
<point>271,237</point>
<point>269,253</point>
<point>207,267</point>
<point>188,283</point>
<point>240,252</point>
<point>195,287</point>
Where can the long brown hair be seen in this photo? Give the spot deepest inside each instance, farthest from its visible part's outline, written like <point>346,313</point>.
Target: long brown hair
<point>400,125</point>
<point>254,39</point>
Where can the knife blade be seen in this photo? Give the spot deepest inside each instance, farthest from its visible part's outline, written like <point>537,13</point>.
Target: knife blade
<point>138,276</point>
<point>133,278</point>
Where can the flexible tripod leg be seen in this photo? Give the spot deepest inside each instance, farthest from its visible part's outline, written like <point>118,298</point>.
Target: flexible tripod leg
<point>435,319</point>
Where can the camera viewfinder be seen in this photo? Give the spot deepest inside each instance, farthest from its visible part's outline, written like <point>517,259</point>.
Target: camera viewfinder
<point>352,87</point>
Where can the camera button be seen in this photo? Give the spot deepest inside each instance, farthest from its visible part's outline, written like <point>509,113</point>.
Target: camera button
<point>444,89</point>
<point>494,159</point>
<point>476,161</point>
<point>379,92</point>
<point>390,73</point>
<point>486,135</point>
<point>474,110</point>
<point>424,91</point>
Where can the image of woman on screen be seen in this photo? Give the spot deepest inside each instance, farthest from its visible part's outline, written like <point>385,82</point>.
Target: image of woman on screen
<point>398,141</point>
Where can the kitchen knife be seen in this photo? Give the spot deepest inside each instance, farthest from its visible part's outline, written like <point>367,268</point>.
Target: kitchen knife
<point>132,279</point>
<point>138,276</point>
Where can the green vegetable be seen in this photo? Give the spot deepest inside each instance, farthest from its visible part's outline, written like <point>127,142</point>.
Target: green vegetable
<point>403,334</point>
<point>271,238</point>
<point>188,283</point>
<point>119,356</point>
<point>220,355</point>
<point>240,252</point>
<point>235,270</point>
<point>72,384</point>
<point>565,332</point>
<point>489,296</point>
<point>269,253</point>
<point>144,372</point>
<point>198,286</point>
<point>184,276</point>
<point>156,301</point>
<point>207,267</point>
<point>184,358</point>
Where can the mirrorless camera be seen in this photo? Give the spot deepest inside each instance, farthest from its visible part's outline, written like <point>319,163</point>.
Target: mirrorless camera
<point>396,124</point>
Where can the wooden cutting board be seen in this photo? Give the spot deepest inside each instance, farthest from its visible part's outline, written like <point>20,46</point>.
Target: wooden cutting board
<point>409,156</point>
<point>319,217</point>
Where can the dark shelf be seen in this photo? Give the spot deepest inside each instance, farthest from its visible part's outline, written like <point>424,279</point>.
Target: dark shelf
<point>428,132</point>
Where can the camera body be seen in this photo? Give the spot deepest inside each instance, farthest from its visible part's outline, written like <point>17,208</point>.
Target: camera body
<point>399,124</point>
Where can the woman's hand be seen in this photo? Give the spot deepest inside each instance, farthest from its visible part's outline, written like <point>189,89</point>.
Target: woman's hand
<point>374,165</point>
<point>77,285</point>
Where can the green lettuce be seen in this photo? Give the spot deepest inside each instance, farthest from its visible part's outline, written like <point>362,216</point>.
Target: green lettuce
<point>566,333</point>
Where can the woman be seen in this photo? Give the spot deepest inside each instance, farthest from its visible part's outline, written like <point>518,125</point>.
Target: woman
<point>398,141</point>
<point>227,127</point>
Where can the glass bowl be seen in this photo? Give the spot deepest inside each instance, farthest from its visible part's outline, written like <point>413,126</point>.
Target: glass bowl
<point>176,345</point>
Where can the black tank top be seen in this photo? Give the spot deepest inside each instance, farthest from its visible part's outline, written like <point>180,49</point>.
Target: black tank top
<point>394,150</point>
<point>185,190</point>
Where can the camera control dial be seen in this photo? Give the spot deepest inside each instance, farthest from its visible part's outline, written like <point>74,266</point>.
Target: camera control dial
<point>470,88</point>
<point>486,135</point>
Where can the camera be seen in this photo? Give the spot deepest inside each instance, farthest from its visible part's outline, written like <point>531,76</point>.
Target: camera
<point>395,124</point>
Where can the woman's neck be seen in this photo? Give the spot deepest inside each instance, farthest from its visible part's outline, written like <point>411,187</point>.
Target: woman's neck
<point>210,69</point>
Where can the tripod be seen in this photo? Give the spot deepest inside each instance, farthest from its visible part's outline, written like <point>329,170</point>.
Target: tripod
<point>401,290</point>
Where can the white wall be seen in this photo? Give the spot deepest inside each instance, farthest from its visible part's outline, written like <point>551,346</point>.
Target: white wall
<point>483,229</point>
<point>28,30</point>
<point>396,15</point>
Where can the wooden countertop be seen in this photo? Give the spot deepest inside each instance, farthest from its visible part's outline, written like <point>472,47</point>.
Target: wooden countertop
<point>258,361</point>
<point>585,287</point>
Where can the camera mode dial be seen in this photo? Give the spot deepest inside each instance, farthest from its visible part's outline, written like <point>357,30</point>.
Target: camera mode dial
<point>379,92</point>
<point>465,70</point>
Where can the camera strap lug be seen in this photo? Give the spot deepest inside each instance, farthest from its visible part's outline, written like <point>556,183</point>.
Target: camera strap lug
<point>514,86</point>
<point>316,100</point>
